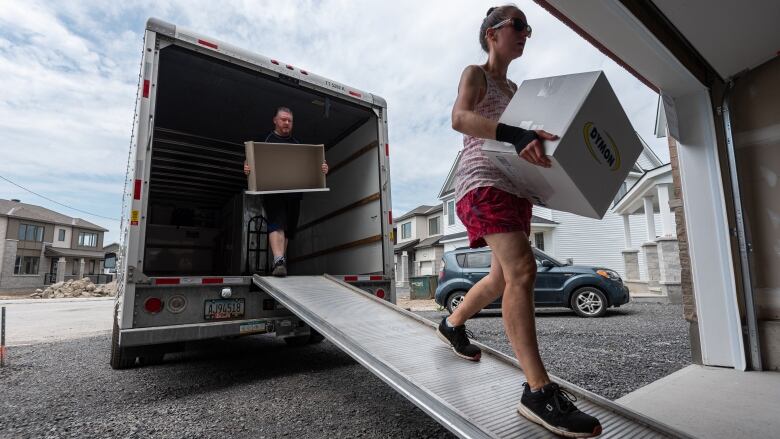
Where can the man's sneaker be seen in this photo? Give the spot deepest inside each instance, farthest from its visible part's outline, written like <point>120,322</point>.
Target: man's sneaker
<point>457,338</point>
<point>554,409</point>
<point>280,269</point>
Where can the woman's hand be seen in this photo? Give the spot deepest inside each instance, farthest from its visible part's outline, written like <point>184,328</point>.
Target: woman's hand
<point>534,152</point>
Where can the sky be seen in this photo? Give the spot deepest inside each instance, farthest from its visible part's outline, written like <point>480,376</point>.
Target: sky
<point>70,77</point>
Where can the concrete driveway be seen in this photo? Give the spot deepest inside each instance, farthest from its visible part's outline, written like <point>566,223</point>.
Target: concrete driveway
<point>44,320</point>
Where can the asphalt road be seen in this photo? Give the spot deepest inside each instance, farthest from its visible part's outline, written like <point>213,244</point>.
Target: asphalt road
<point>258,387</point>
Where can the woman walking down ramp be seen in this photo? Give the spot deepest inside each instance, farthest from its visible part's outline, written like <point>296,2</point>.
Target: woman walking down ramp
<point>494,215</point>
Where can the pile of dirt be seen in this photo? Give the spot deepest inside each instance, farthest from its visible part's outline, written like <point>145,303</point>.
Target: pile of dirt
<point>75,288</point>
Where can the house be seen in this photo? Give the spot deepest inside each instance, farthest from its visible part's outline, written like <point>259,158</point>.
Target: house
<point>611,242</point>
<point>39,246</point>
<point>111,251</point>
<point>417,250</point>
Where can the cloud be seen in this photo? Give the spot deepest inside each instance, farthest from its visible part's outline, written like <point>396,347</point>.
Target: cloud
<point>70,72</point>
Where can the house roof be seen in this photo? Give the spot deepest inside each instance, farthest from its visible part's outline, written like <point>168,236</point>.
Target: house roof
<point>111,248</point>
<point>449,182</point>
<point>69,252</point>
<point>16,209</point>
<point>539,220</point>
<point>429,242</point>
<point>405,246</point>
<point>453,236</point>
<point>633,200</point>
<point>423,210</point>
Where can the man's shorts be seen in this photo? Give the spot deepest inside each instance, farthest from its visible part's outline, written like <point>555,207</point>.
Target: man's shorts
<point>487,210</point>
<point>282,211</point>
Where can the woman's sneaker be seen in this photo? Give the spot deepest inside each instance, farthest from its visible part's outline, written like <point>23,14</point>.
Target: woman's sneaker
<point>457,338</point>
<point>554,409</point>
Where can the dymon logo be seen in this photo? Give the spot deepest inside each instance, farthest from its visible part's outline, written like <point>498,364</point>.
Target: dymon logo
<point>601,146</point>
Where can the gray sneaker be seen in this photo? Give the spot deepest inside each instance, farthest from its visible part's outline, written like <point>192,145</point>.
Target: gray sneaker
<point>280,269</point>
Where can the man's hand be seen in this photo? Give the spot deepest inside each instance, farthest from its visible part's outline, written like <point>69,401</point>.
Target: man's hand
<point>534,152</point>
<point>247,169</point>
<point>325,168</point>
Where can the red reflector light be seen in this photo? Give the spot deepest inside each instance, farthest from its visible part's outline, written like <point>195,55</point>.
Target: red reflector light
<point>350,278</point>
<point>146,88</point>
<point>137,190</point>
<point>377,278</point>
<point>153,305</point>
<point>387,149</point>
<point>273,61</point>
<point>304,72</point>
<point>167,281</point>
<point>390,216</point>
<point>211,280</point>
<point>207,44</point>
<point>380,293</point>
<point>289,67</point>
<point>356,94</point>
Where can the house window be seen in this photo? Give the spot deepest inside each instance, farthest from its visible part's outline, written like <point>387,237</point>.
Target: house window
<point>406,230</point>
<point>26,265</point>
<point>87,239</point>
<point>29,232</point>
<point>433,226</point>
<point>61,236</point>
<point>451,213</point>
<point>539,240</point>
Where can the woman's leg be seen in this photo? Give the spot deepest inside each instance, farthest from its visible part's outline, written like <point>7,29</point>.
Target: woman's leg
<point>482,294</point>
<point>519,267</point>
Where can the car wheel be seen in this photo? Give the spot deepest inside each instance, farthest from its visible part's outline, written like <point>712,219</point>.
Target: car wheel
<point>589,302</point>
<point>454,300</point>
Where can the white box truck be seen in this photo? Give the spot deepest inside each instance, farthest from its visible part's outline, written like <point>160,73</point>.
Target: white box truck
<point>192,239</point>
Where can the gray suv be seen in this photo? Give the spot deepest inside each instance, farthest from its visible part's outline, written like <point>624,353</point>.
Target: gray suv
<point>589,291</point>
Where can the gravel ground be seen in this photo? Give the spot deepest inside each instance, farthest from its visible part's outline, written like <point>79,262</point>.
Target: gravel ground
<point>245,388</point>
<point>258,387</point>
<point>628,348</point>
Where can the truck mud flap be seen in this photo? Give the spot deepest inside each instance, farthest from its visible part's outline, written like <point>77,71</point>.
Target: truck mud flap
<point>471,399</point>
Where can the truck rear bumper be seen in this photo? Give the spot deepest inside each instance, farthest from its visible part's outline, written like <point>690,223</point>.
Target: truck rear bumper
<point>282,326</point>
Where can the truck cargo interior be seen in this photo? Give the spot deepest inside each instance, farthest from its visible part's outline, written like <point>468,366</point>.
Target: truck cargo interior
<point>198,217</point>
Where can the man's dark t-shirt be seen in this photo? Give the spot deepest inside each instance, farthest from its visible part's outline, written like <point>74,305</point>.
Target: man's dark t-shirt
<point>282,210</point>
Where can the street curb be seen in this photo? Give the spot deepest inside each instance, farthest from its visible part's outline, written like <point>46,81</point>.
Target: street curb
<point>69,299</point>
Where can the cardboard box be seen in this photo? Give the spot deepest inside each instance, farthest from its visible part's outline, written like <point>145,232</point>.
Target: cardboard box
<point>285,167</point>
<point>596,150</point>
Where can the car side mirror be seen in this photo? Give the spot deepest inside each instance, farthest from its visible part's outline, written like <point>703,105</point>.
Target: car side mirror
<point>547,263</point>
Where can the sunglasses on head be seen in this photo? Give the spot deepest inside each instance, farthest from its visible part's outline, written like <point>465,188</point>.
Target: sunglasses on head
<point>517,23</point>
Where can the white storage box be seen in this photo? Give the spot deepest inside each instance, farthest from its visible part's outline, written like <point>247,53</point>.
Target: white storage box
<point>596,150</point>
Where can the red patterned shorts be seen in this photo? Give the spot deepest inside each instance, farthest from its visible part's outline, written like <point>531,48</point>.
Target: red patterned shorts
<point>487,210</point>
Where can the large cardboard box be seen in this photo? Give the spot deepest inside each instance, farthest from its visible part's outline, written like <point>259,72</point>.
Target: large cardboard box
<point>284,167</point>
<point>596,150</point>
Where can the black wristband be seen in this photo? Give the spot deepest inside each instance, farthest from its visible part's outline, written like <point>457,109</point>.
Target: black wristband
<point>517,136</point>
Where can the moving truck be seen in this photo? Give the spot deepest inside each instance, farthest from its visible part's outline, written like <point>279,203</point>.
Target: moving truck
<point>192,238</point>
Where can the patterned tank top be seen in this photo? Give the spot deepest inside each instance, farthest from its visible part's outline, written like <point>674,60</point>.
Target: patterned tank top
<point>475,169</point>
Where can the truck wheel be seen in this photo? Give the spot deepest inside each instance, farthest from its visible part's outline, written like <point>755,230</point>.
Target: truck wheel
<point>120,358</point>
<point>315,337</point>
<point>454,300</point>
<point>297,340</point>
<point>589,302</point>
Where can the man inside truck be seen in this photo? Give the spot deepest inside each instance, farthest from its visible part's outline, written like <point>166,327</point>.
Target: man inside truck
<point>281,210</point>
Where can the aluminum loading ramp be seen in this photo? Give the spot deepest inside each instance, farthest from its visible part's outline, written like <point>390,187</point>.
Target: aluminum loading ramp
<point>471,399</point>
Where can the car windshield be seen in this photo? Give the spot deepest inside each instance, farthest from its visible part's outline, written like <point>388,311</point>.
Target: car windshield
<point>540,253</point>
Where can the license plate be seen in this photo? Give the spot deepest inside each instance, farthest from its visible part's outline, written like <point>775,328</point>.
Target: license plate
<point>218,309</point>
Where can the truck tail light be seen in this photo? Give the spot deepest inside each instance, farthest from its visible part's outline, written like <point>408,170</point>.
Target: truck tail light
<point>380,293</point>
<point>153,305</point>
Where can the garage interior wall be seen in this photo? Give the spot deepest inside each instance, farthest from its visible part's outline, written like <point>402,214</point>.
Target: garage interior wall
<point>755,111</point>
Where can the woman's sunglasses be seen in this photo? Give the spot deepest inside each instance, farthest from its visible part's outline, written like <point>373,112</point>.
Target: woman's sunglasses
<point>518,24</point>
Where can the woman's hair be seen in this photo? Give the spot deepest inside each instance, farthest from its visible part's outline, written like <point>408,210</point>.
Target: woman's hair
<point>494,16</point>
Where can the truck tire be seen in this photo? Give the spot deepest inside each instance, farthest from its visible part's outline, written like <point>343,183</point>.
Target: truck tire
<point>120,358</point>
<point>315,337</point>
